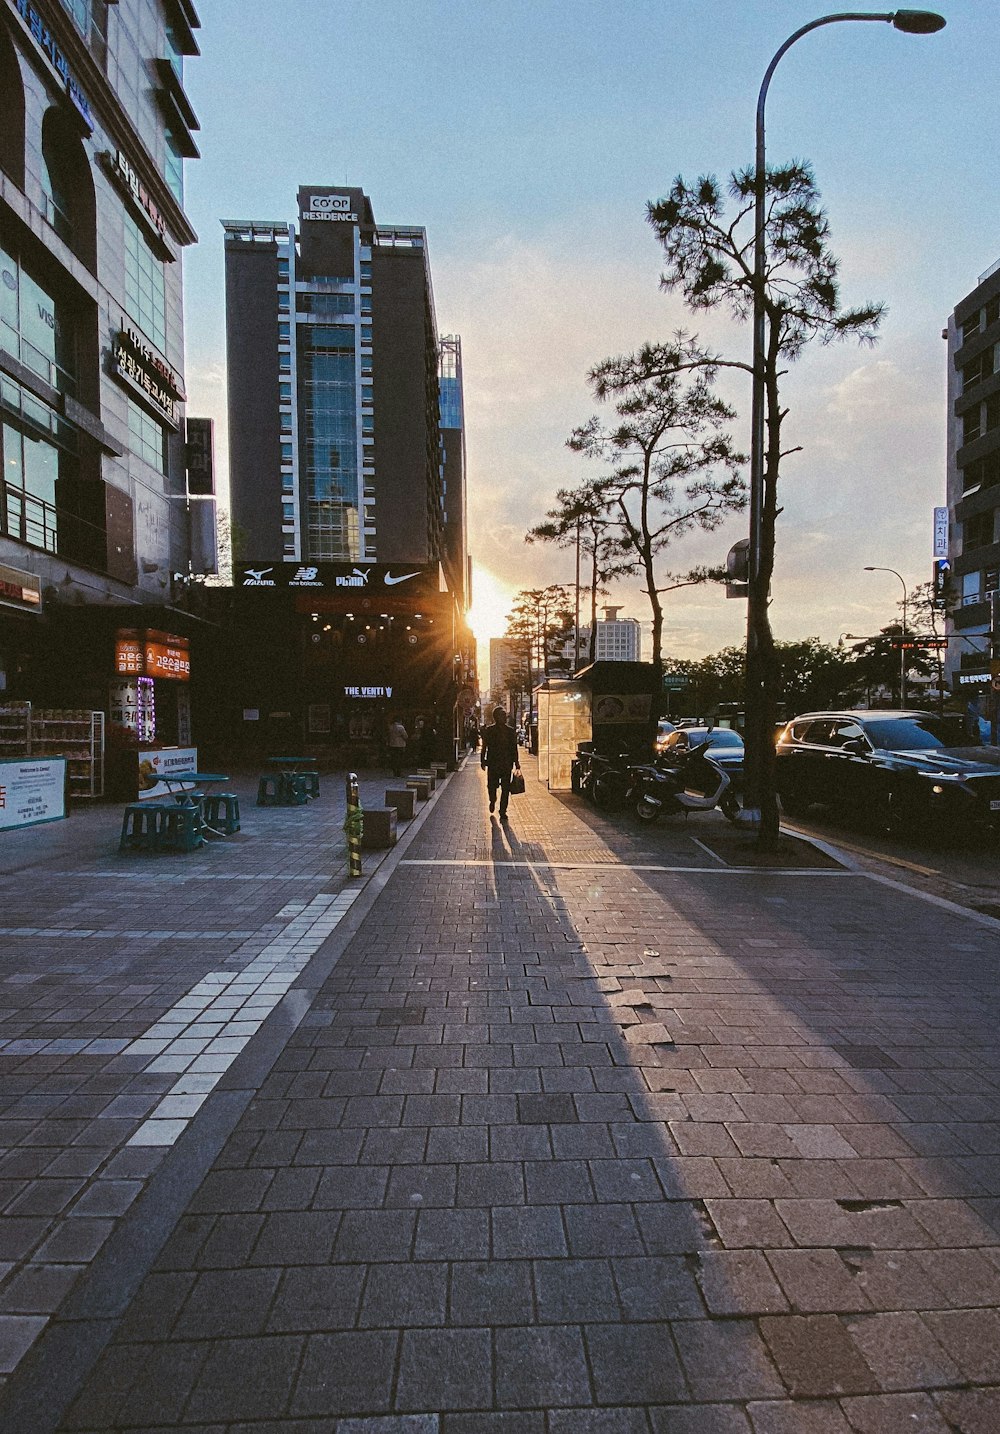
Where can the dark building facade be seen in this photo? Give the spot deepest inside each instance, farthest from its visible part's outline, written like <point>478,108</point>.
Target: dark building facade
<point>973,335</point>
<point>95,515</point>
<point>347,481</point>
<point>456,544</point>
<point>335,433</point>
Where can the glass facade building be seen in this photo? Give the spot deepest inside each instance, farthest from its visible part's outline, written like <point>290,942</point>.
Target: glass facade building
<point>335,418</point>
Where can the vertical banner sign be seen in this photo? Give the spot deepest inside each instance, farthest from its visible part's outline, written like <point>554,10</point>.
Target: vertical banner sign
<point>940,532</point>
<point>201,456</point>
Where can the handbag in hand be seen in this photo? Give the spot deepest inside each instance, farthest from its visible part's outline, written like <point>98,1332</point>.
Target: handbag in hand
<point>516,784</point>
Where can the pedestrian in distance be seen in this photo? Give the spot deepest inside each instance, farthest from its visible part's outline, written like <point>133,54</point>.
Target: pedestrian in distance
<point>498,759</point>
<point>396,739</point>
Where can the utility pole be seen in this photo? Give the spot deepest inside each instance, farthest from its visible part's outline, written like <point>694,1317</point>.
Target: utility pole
<point>576,611</point>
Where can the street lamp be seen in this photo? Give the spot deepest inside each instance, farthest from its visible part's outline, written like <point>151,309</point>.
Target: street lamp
<point>760,747</point>
<point>902,650</point>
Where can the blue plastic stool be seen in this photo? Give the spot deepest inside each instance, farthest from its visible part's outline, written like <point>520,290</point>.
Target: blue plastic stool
<point>269,791</point>
<point>222,811</point>
<point>293,789</point>
<point>141,826</point>
<point>180,827</point>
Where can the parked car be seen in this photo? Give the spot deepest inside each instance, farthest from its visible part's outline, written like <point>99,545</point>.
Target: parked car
<point>724,747</point>
<point>898,767</point>
<point>663,731</point>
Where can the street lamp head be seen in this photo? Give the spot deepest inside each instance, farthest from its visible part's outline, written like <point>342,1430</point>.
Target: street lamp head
<point>918,22</point>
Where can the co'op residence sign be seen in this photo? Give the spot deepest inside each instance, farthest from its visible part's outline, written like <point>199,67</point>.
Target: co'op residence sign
<point>366,580</point>
<point>330,209</point>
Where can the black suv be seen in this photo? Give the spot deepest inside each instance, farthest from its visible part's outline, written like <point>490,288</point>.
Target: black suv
<point>897,767</point>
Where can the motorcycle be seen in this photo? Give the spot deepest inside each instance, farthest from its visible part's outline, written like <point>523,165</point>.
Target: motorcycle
<point>604,780</point>
<point>687,781</point>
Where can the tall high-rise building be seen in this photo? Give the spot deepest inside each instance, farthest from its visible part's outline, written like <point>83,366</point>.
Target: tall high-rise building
<point>334,399</point>
<point>95,508</point>
<point>453,470</point>
<point>973,335</point>
<point>618,639</point>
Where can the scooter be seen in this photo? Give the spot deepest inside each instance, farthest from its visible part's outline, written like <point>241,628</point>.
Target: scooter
<point>689,782</point>
<point>603,779</point>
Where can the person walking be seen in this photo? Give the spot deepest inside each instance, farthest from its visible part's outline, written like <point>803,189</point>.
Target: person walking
<point>396,739</point>
<point>498,759</point>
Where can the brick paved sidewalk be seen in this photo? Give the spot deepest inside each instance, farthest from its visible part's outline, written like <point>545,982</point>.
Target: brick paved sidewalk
<point>128,985</point>
<point>562,1143</point>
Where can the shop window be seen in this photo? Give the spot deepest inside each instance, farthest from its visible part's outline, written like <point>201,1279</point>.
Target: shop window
<point>11,112</point>
<point>147,438</point>
<point>145,290</point>
<point>978,531</point>
<point>68,186</point>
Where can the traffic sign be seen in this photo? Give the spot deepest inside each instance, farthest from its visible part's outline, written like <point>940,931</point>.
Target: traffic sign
<point>674,681</point>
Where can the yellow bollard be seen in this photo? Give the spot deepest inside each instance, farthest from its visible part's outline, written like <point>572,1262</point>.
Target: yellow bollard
<point>353,825</point>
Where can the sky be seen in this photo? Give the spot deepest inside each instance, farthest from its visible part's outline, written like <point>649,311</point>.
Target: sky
<point>527,137</point>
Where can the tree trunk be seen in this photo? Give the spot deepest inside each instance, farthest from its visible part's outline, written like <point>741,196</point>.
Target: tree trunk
<point>766,674</point>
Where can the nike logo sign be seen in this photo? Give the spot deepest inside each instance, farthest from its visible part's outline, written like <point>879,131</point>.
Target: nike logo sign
<point>391,582</point>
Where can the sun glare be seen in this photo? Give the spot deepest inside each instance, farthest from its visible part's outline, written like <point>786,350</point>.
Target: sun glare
<point>492,600</point>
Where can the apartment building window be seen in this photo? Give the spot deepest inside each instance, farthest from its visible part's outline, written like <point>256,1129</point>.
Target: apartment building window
<point>145,289</point>
<point>991,581</point>
<point>970,589</point>
<point>325,303</point>
<point>972,423</point>
<point>992,311</point>
<point>147,438</point>
<point>970,327</point>
<point>984,473</point>
<point>287,483</point>
<point>982,366</point>
<point>978,531</point>
<point>992,407</point>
